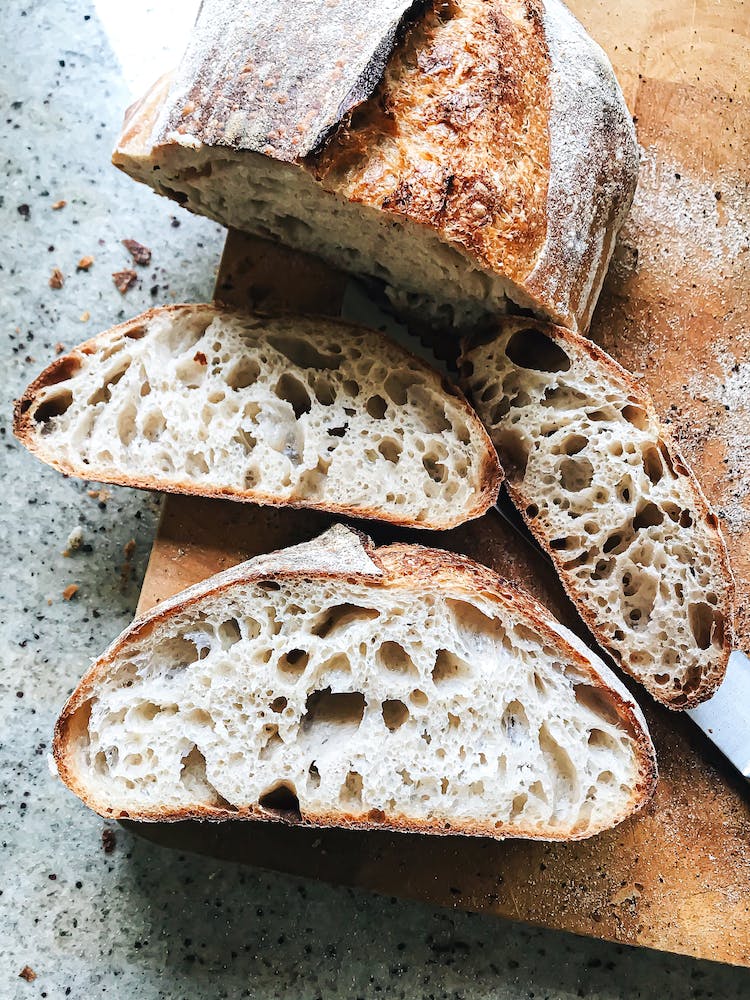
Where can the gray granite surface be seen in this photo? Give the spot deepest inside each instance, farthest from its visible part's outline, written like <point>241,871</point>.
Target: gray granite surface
<point>137,921</point>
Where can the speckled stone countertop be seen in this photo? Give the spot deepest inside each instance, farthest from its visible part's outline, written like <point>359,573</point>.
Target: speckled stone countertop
<point>89,909</point>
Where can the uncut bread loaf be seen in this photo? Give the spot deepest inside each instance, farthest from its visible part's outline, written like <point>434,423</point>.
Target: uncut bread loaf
<point>599,482</point>
<point>333,684</point>
<point>478,158</point>
<point>275,410</point>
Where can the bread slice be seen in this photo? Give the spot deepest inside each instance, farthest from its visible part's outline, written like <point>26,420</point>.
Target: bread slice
<point>287,410</point>
<point>491,166</point>
<point>334,684</point>
<point>604,490</point>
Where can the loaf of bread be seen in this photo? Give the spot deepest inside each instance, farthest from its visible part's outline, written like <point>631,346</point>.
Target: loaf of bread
<point>286,410</point>
<point>481,156</point>
<point>333,684</point>
<point>600,484</point>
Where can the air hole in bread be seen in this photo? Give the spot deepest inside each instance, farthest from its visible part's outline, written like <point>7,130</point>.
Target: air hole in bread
<point>514,722</point>
<point>268,585</point>
<point>576,474</point>
<point>395,713</point>
<point>449,667</point>
<point>154,425</point>
<point>324,391</point>
<point>390,449</point>
<point>437,472</point>
<point>294,392</point>
<point>394,657</point>
<point>636,416</point>
<point>499,410</point>
<point>293,662</point>
<point>135,332</point>
<point>532,511</point>
<point>62,370</point>
<point>558,760</point>
<point>281,799</point>
<point>303,353</point>
<point>376,407</point>
<point>195,464</point>
<point>519,804</point>
<point>706,624</point>
<point>573,444</point>
<point>243,374</point>
<point>666,457</point>
<point>338,432</point>
<point>513,448</point>
<point>314,775</point>
<point>351,790</point>
<point>344,711</point>
<point>418,698</point>
<point>229,632</point>
<point>341,616</point>
<point>598,705</point>
<point>648,516</point>
<point>652,463</point>
<point>53,405</point>
<point>397,384</point>
<point>532,349</point>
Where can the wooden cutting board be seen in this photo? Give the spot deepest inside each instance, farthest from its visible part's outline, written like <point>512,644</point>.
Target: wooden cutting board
<point>675,310</point>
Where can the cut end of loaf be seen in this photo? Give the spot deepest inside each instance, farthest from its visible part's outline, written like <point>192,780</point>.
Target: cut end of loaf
<point>286,410</point>
<point>417,695</point>
<point>600,484</point>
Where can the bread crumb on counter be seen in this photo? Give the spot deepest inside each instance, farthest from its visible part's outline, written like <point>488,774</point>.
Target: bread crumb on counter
<point>75,540</point>
<point>27,973</point>
<point>70,591</point>
<point>109,840</point>
<point>140,253</point>
<point>56,279</point>
<point>59,347</point>
<point>84,263</point>
<point>59,204</point>
<point>124,279</point>
<point>85,316</point>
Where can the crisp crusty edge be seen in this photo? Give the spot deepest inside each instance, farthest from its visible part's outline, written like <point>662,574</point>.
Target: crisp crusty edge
<point>354,558</point>
<point>712,678</point>
<point>490,473</point>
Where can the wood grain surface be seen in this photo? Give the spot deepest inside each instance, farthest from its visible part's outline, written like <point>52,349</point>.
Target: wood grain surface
<point>675,310</point>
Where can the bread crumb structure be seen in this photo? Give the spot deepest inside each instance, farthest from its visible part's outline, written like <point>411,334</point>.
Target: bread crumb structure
<point>404,687</point>
<point>600,484</point>
<point>276,410</point>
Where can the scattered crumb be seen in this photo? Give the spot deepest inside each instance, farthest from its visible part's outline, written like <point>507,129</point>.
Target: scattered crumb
<point>75,540</point>
<point>101,495</point>
<point>56,279</point>
<point>124,279</point>
<point>70,591</point>
<point>85,316</point>
<point>27,973</point>
<point>129,548</point>
<point>109,840</point>
<point>200,357</point>
<point>139,253</point>
<point>59,347</point>
<point>59,204</point>
<point>84,263</point>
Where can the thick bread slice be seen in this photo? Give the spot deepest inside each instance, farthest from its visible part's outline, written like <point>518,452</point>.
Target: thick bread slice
<point>492,166</point>
<point>286,410</point>
<point>334,684</point>
<point>602,487</point>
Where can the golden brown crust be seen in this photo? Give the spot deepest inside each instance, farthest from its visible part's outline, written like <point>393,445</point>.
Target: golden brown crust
<point>25,429</point>
<point>711,679</point>
<point>404,566</point>
<point>456,137</point>
<point>498,125</point>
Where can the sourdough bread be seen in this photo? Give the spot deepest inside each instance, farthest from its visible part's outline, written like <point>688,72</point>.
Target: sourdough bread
<point>491,168</point>
<point>599,482</point>
<point>275,410</point>
<point>333,684</point>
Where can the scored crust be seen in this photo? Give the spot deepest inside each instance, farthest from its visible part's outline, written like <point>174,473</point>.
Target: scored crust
<point>498,131</point>
<point>713,673</point>
<point>347,555</point>
<point>489,474</point>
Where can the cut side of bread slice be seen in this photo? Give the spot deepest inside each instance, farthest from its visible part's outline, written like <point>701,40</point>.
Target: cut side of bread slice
<point>286,410</point>
<point>604,490</point>
<point>336,684</point>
